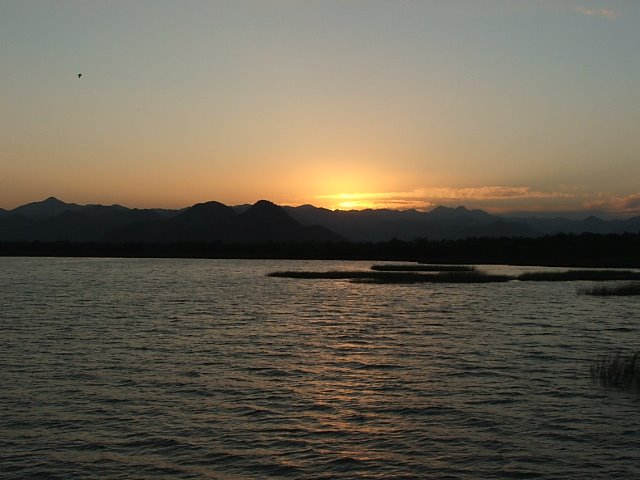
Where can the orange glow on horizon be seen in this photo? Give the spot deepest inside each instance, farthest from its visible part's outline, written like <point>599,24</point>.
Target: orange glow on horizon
<point>353,205</point>
<point>363,201</point>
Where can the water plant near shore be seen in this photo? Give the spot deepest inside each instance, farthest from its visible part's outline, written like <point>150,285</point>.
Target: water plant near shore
<point>396,277</point>
<point>408,273</point>
<point>422,268</point>
<point>620,370</point>
<point>570,275</point>
<point>440,277</point>
<point>620,289</point>
<point>326,275</point>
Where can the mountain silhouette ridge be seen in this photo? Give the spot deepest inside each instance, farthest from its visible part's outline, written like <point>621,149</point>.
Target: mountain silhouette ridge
<point>48,207</point>
<point>52,220</point>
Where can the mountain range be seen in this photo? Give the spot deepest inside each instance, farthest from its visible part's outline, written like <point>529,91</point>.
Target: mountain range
<point>450,223</point>
<point>54,220</point>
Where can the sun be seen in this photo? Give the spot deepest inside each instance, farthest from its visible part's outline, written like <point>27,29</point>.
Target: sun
<point>354,205</point>
<point>350,201</point>
<point>349,185</point>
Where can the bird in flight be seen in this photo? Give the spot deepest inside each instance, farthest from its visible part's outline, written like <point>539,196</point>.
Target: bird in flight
<point>79,75</point>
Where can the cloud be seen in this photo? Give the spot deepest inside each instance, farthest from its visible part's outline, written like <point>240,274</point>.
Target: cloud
<point>392,200</point>
<point>425,198</point>
<point>598,12</point>
<point>497,199</point>
<point>486,192</point>
<point>593,8</point>
<point>614,204</point>
<point>490,193</point>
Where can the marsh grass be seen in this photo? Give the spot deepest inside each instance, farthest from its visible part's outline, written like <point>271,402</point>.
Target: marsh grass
<point>440,277</point>
<point>329,275</point>
<point>621,289</point>
<point>422,268</point>
<point>620,370</point>
<point>570,275</point>
<point>400,273</point>
<point>396,277</point>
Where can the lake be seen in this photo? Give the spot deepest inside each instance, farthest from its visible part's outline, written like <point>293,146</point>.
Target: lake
<point>172,368</point>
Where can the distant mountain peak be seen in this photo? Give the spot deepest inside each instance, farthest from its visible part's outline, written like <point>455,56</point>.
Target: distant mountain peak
<point>442,209</point>
<point>49,207</point>
<point>53,219</point>
<point>49,202</point>
<point>307,207</point>
<point>210,204</point>
<point>265,204</point>
<point>206,211</point>
<point>267,216</point>
<point>265,207</point>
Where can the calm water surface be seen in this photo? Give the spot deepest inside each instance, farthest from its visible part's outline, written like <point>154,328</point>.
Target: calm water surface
<point>119,368</point>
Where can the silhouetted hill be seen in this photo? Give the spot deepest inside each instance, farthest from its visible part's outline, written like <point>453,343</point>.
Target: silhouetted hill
<point>213,221</point>
<point>15,227</point>
<point>449,223</point>
<point>90,223</point>
<point>382,225</point>
<point>501,228</point>
<point>166,212</point>
<point>201,222</point>
<point>264,214</point>
<point>590,224</point>
<point>206,212</point>
<point>52,220</point>
<point>44,209</point>
<point>241,208</point>
<point>460,214</point>
<point>3,212</point>
<point>265,221</point>
<point>362,225</point>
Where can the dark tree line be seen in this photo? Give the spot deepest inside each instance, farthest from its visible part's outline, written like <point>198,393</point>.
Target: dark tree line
<point>586,249</point>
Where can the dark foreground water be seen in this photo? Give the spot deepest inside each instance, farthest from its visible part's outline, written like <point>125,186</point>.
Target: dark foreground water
<point>116,368</point>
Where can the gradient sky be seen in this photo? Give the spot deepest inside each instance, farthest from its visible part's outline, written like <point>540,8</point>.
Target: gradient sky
<point>495,104</point>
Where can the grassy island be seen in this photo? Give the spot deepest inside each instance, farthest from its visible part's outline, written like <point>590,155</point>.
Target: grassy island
<point>617,370</point>
<point>372,276</point>
<point>422,268</point>
<point>573,275</point>
<point>619,289</point>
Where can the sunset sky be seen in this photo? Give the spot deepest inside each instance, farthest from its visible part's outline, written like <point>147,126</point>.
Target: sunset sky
<point>496,104</point>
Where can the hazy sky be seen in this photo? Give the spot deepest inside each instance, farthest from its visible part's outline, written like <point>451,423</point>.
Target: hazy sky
<point>496,104</point>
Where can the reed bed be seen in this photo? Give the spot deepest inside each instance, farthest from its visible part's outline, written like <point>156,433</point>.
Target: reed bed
<point>620,370</point>
<point>440,277</point>
<point>395,277</point>
<point>422,268</point>
<point>407,274</point>
<point>571,275</point>
<point>329,275</point>
<point>621,289</point>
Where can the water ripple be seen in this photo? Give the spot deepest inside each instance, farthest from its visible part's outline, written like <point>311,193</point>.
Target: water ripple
<point>117,368</point>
